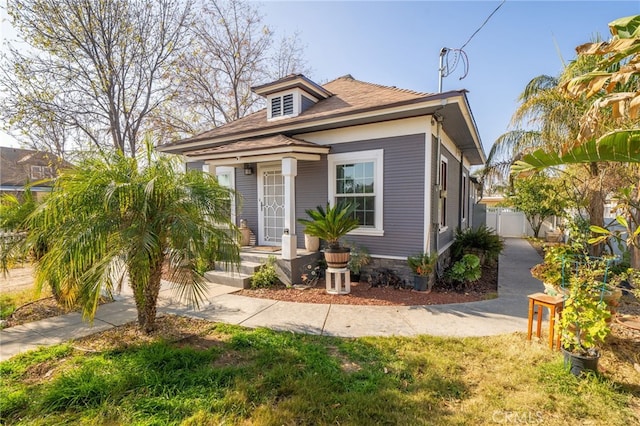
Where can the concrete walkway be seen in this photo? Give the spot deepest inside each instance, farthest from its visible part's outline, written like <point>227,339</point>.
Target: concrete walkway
<point>505,314</point>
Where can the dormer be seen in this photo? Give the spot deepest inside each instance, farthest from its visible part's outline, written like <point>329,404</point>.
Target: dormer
<point>290,96</point>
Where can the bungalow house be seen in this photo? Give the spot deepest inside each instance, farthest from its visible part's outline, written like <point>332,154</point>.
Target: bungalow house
<point>403,156</point>
<point>20,168</point>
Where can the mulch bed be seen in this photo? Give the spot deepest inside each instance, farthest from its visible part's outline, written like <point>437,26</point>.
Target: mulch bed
<point>364,294</point>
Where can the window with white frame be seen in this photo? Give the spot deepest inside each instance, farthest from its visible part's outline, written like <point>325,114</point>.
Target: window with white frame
<point>442,201</point>
<point>356,177</point>
<point>465,196</point>
<point>41,172</point>
<point>226,178</point>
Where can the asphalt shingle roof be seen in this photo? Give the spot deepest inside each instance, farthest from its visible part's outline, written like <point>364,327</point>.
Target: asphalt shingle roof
<point>349,96</point>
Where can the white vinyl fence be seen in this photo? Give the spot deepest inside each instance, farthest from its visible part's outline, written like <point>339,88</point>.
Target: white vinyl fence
<point>510,222</point>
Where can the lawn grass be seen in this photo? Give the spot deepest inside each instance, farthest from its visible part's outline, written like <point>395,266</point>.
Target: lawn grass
<point>232,375</point>
<point>11,300</point>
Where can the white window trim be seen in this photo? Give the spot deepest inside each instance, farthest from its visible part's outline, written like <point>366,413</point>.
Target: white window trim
<point>297,104</point>
<point>465,197</point>
<point>443,159</point>
<point>229,171</point>
<point>377,157</point>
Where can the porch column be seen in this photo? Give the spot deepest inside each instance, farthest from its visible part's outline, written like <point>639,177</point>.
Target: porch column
<point>289,240</point>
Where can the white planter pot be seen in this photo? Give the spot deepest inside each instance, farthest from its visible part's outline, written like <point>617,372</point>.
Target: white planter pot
<point>311,243</point>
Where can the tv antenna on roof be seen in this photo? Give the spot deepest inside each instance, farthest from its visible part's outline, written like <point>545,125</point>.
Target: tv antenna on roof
<point>449,60</point>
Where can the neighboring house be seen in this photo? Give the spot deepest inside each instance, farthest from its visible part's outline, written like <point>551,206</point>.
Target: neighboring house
<point>22,167</point>
<point>403,156</point>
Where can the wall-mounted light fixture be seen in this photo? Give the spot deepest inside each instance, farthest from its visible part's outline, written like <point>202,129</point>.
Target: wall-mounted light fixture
<point>248,169</point>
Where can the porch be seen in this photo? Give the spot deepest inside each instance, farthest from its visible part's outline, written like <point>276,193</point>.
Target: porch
<point>264,172</point>
<point>251,259</point>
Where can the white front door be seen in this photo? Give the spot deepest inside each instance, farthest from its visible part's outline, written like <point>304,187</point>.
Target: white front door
<point>270,204</point>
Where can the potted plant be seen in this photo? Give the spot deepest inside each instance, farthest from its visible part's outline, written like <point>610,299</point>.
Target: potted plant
<point>311,243</point>
<point>359,258</point>
<point>551,276</point>
<point>422,265</point>
<point>331,224</point>
<point>550,271</point>
<point>584,324</point>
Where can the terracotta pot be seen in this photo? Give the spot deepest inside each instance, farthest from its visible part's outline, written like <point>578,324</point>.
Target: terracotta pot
<point>337,258</point>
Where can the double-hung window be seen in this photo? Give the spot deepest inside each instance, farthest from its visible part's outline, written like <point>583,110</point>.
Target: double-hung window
<point>465,196</point>
<point>442,200</point>
<point>356,177</point>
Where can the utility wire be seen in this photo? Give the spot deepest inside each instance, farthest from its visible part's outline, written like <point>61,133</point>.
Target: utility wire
<point>483,24</point>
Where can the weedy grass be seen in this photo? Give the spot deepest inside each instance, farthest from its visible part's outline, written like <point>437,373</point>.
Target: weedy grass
<point>11,300</point>
<point>265,377</point>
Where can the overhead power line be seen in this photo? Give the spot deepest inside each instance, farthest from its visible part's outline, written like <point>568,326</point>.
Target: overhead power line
<point>483,24</point>
<point>448,65</point>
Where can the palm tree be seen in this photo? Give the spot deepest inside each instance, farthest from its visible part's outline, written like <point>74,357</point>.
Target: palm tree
<point>613,87</point>
<point>114,217</point>
<point>548,117</point>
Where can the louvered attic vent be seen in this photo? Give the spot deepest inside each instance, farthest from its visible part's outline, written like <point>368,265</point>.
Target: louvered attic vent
<point>282,105</point>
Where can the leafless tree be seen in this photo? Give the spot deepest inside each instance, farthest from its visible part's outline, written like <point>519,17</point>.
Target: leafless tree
<point>99,67</point>
<point>101,73</point>
<point>234,50</point>
<point>288,58</point>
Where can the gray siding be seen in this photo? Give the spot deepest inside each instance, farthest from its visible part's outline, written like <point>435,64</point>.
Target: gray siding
<point>247,200</point>
<point>403,189</point>
<point>311,190</point>
<point>306,104</point>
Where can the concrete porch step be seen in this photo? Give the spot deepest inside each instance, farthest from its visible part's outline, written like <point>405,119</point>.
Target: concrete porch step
<point>240,278</point>
<point>257,257</point>
<point>232,279</point>
<point>245,267</point>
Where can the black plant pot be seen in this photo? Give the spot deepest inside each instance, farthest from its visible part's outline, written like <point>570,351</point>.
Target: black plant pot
<point>420,282</point>
<point>580,364</point>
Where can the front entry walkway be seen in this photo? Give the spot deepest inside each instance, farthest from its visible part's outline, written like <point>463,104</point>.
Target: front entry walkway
<point>505,314</point>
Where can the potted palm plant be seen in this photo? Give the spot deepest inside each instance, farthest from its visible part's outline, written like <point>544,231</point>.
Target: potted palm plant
<point>422,265</point>
<point>584,324</point>
<point>331,224</point>
<point>359,258</point>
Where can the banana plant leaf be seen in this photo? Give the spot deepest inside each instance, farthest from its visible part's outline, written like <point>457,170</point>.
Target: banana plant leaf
<point>620,146</point>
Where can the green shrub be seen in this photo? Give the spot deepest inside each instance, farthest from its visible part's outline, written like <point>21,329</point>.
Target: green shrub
<point>266,276</point>
<point>422,263</point>
<point>483,239</point>
<point>466,269</point>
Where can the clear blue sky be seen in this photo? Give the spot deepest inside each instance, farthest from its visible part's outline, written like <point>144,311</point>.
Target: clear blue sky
<point>397,44</point>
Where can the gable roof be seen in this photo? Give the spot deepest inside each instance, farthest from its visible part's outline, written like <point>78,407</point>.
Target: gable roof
<point>15,165</point>
<point>290,82</point>
<point>352,102</point>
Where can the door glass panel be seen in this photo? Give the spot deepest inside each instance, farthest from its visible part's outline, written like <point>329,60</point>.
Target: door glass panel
<point>272,206</point>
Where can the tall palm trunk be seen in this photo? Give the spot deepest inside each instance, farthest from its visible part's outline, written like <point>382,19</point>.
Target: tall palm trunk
<point>146,296</point>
